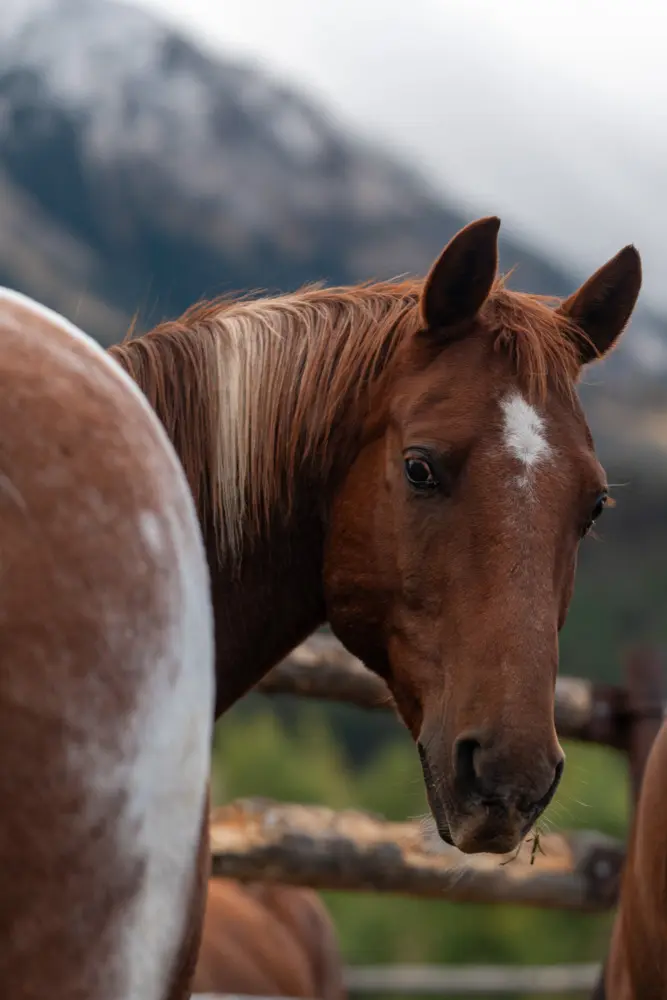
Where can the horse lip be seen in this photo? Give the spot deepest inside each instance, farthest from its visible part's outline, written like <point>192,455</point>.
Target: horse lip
<point>435,798</point>
<point>444,832</point>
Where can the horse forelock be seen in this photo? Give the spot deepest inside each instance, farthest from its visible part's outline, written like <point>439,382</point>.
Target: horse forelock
<point>544,344</point>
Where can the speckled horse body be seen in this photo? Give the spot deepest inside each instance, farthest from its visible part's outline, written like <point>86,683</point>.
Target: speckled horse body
<point>106,678</point>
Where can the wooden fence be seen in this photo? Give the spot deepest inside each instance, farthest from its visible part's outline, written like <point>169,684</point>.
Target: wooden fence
<point>596,713</point>
<point>350,850</point>
<point>258,840</point>
<point>477,981</point>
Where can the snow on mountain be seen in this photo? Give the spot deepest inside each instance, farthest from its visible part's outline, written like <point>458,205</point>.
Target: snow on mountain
<point>143,173</point>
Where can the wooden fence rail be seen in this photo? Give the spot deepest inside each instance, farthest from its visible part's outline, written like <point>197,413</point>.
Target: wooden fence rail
<point>259,840</point>
<point>322,668</point>
<point>472,980</point>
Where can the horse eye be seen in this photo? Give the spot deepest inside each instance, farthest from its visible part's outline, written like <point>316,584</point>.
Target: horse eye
<point>419,472</point>
<point>599,506</point>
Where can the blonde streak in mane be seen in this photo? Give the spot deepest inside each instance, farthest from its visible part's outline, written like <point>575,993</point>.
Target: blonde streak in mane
<point>252,369</point>
<point>228,451</point>
<point>248,348</point>
<point>283,369</point>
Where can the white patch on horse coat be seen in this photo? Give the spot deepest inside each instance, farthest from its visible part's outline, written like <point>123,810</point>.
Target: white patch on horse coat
<point>151,530</point>
<point>168,775</point>
<point>159,759</point>
<point>524,433</point>
<point>158,756</point>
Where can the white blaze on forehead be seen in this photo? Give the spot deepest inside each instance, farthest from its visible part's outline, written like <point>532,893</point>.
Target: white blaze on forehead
<point>524,431</point>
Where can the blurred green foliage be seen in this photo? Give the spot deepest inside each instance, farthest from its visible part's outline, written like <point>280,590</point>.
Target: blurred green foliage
<point>290,752</point>
<point>621,587</point>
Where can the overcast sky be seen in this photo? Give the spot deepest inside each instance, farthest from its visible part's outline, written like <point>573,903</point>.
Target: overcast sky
<point>551,113</point>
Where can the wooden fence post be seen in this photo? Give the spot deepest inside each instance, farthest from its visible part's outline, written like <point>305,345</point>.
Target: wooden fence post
<point>645,681</point>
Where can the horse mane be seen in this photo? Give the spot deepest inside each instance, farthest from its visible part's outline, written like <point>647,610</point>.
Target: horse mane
<point>248,389</point>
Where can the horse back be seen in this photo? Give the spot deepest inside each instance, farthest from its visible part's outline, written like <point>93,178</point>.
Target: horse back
<point>303,910</point>
<point>268,940</point>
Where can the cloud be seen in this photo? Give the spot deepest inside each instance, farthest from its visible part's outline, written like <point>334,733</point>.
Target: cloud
<point>551,114</point>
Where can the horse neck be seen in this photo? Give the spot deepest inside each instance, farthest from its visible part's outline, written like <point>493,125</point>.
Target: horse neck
<point>270,603</point>
<point>264,405</point>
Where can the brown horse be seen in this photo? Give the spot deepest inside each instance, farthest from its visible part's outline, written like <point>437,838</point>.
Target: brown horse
<point>409,461</point>
<point>636,966</point>
<point>106,678</point>
<point>268,940</point>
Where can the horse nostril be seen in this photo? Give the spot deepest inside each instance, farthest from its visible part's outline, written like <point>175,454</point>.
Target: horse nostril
<point>482,773</point>
<point>560,766</point>
<point>537,806</point>
<point>558,774</point>
<point>466,749</point>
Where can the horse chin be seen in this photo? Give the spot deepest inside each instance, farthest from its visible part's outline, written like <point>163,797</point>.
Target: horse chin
<point>484,834</point>
<point>470,836</point>
<point>471,828</point>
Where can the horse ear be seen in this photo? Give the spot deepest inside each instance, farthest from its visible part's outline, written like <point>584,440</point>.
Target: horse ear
<point>461,279</point>
<point>601,308</point>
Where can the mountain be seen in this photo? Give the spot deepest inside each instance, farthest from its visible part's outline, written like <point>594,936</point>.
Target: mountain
<point>138,174</point>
